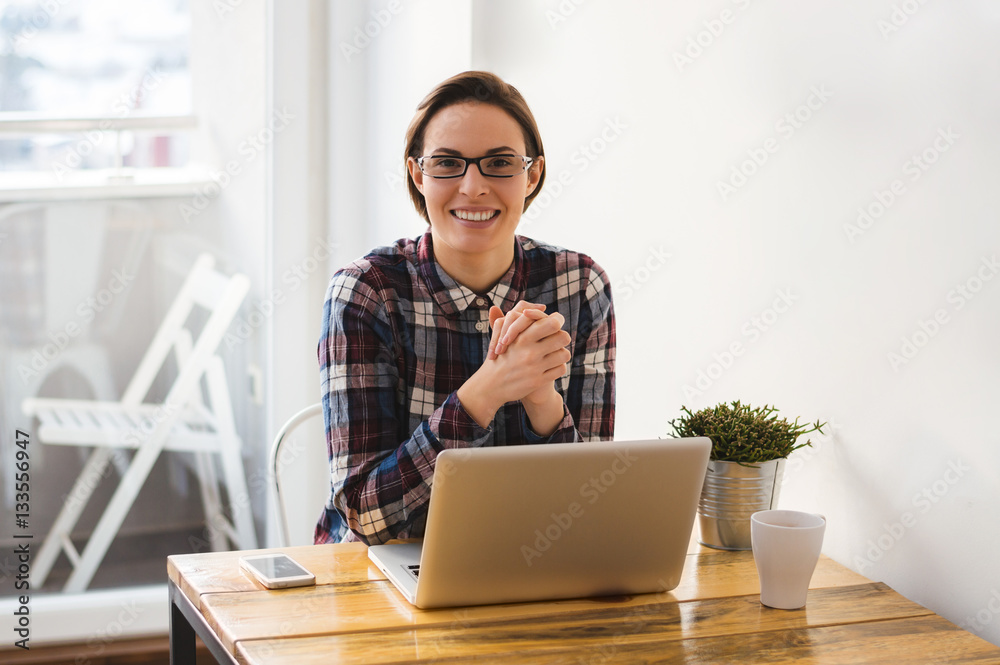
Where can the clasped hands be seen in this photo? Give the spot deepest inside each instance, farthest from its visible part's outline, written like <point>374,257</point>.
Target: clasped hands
<point>526,354</point>
<point>531,345</point>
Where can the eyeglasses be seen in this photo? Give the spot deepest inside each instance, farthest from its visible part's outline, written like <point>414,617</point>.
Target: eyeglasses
<point>491,166</point>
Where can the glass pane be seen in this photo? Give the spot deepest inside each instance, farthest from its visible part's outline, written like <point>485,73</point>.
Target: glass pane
<point>85,284</point>
<point>105,58</point>
<point>94,58</point>
<point>64,153</point>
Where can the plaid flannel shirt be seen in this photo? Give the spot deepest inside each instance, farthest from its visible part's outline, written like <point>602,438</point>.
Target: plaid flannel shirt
<point>400,336</point>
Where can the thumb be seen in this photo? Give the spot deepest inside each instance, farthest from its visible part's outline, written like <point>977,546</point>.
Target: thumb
<point>495,313</point>
<point>494,337</point>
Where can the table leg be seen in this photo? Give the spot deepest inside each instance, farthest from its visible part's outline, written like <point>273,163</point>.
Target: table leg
<point>182,644</point>
<point>186,622</point>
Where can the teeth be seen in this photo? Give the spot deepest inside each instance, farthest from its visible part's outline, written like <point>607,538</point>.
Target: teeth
<point>474,216</point>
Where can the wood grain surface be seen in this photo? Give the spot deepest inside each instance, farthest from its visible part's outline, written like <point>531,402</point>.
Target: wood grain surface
<point>219,572</point>
<point>619,630</point>
<point>354,615</point>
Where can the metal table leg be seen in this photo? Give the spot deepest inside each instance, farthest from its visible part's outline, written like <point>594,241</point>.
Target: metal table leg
<point>185,622</point>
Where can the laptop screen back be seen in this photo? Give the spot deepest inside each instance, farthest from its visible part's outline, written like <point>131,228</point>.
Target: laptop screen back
<point>554,521</point>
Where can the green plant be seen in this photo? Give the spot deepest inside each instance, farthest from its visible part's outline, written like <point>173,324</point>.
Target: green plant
<point>744,434</point>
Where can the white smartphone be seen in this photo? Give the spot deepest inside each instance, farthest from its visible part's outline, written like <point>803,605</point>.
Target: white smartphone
<point>277,571</point>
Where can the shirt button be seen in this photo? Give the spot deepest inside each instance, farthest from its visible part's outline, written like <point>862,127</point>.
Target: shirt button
<point>480,302</point>
<point>482,326</point>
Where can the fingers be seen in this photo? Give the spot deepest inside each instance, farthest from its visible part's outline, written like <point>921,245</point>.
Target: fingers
<point>517,322</point>
<point>554,373</point>
<point>524,305</point>
<point>557,364</point>
<point>533,327</point>
<point>495,313</point>
<point>497,325</point>
<point>533,310</point>
<point>538,354</point>
<point>522,317</point>
<point>547,326</point>
<point>558,360</point>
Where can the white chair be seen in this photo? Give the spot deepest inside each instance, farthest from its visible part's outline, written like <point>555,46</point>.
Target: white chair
<point>38,241</point>
<point>184,421</point>
<point>282,455</point>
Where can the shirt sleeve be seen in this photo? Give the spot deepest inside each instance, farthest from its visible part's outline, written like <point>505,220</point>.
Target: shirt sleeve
<point>590,395</point>
<point>381,474</point>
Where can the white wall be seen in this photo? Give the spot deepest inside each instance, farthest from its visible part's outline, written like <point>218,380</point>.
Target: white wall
<point>908,478</point>
<point>299,247</point>
<point>385,55</point>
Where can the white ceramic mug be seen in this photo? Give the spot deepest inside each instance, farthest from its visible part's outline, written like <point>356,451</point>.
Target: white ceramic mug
<point>786,547</point>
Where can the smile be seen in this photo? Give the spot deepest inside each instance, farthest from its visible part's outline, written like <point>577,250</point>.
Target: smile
<point>478,216</point>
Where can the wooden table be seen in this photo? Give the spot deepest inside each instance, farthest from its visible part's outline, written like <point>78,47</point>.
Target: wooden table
<point>354,615</point>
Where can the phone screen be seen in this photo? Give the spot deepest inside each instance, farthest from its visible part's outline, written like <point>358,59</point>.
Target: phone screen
<point>278,566</point>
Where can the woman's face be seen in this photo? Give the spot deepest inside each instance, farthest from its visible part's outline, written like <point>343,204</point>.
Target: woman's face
<point>474,217</point>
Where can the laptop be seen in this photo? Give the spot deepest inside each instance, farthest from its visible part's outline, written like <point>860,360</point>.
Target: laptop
<point>544,522</point>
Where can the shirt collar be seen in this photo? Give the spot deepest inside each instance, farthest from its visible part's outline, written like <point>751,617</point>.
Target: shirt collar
<point>454,298</point>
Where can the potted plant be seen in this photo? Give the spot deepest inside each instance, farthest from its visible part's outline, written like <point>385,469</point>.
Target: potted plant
<point>749,447</point>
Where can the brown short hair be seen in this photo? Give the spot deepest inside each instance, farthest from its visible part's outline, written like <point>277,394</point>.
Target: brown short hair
<point>472,86</point>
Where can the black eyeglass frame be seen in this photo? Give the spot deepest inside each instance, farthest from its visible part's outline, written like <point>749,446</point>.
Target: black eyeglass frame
<point>528,161</point>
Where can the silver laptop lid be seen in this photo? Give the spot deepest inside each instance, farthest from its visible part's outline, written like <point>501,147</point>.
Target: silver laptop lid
<point>551,521</point>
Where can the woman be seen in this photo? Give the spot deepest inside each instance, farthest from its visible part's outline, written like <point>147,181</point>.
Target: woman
<point>468,336</point>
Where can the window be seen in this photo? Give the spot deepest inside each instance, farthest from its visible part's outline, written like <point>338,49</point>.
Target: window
<point>97,134</point>
<point>94,84</point>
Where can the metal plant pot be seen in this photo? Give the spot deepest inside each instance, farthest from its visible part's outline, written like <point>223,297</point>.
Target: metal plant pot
<point>730,495</point>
